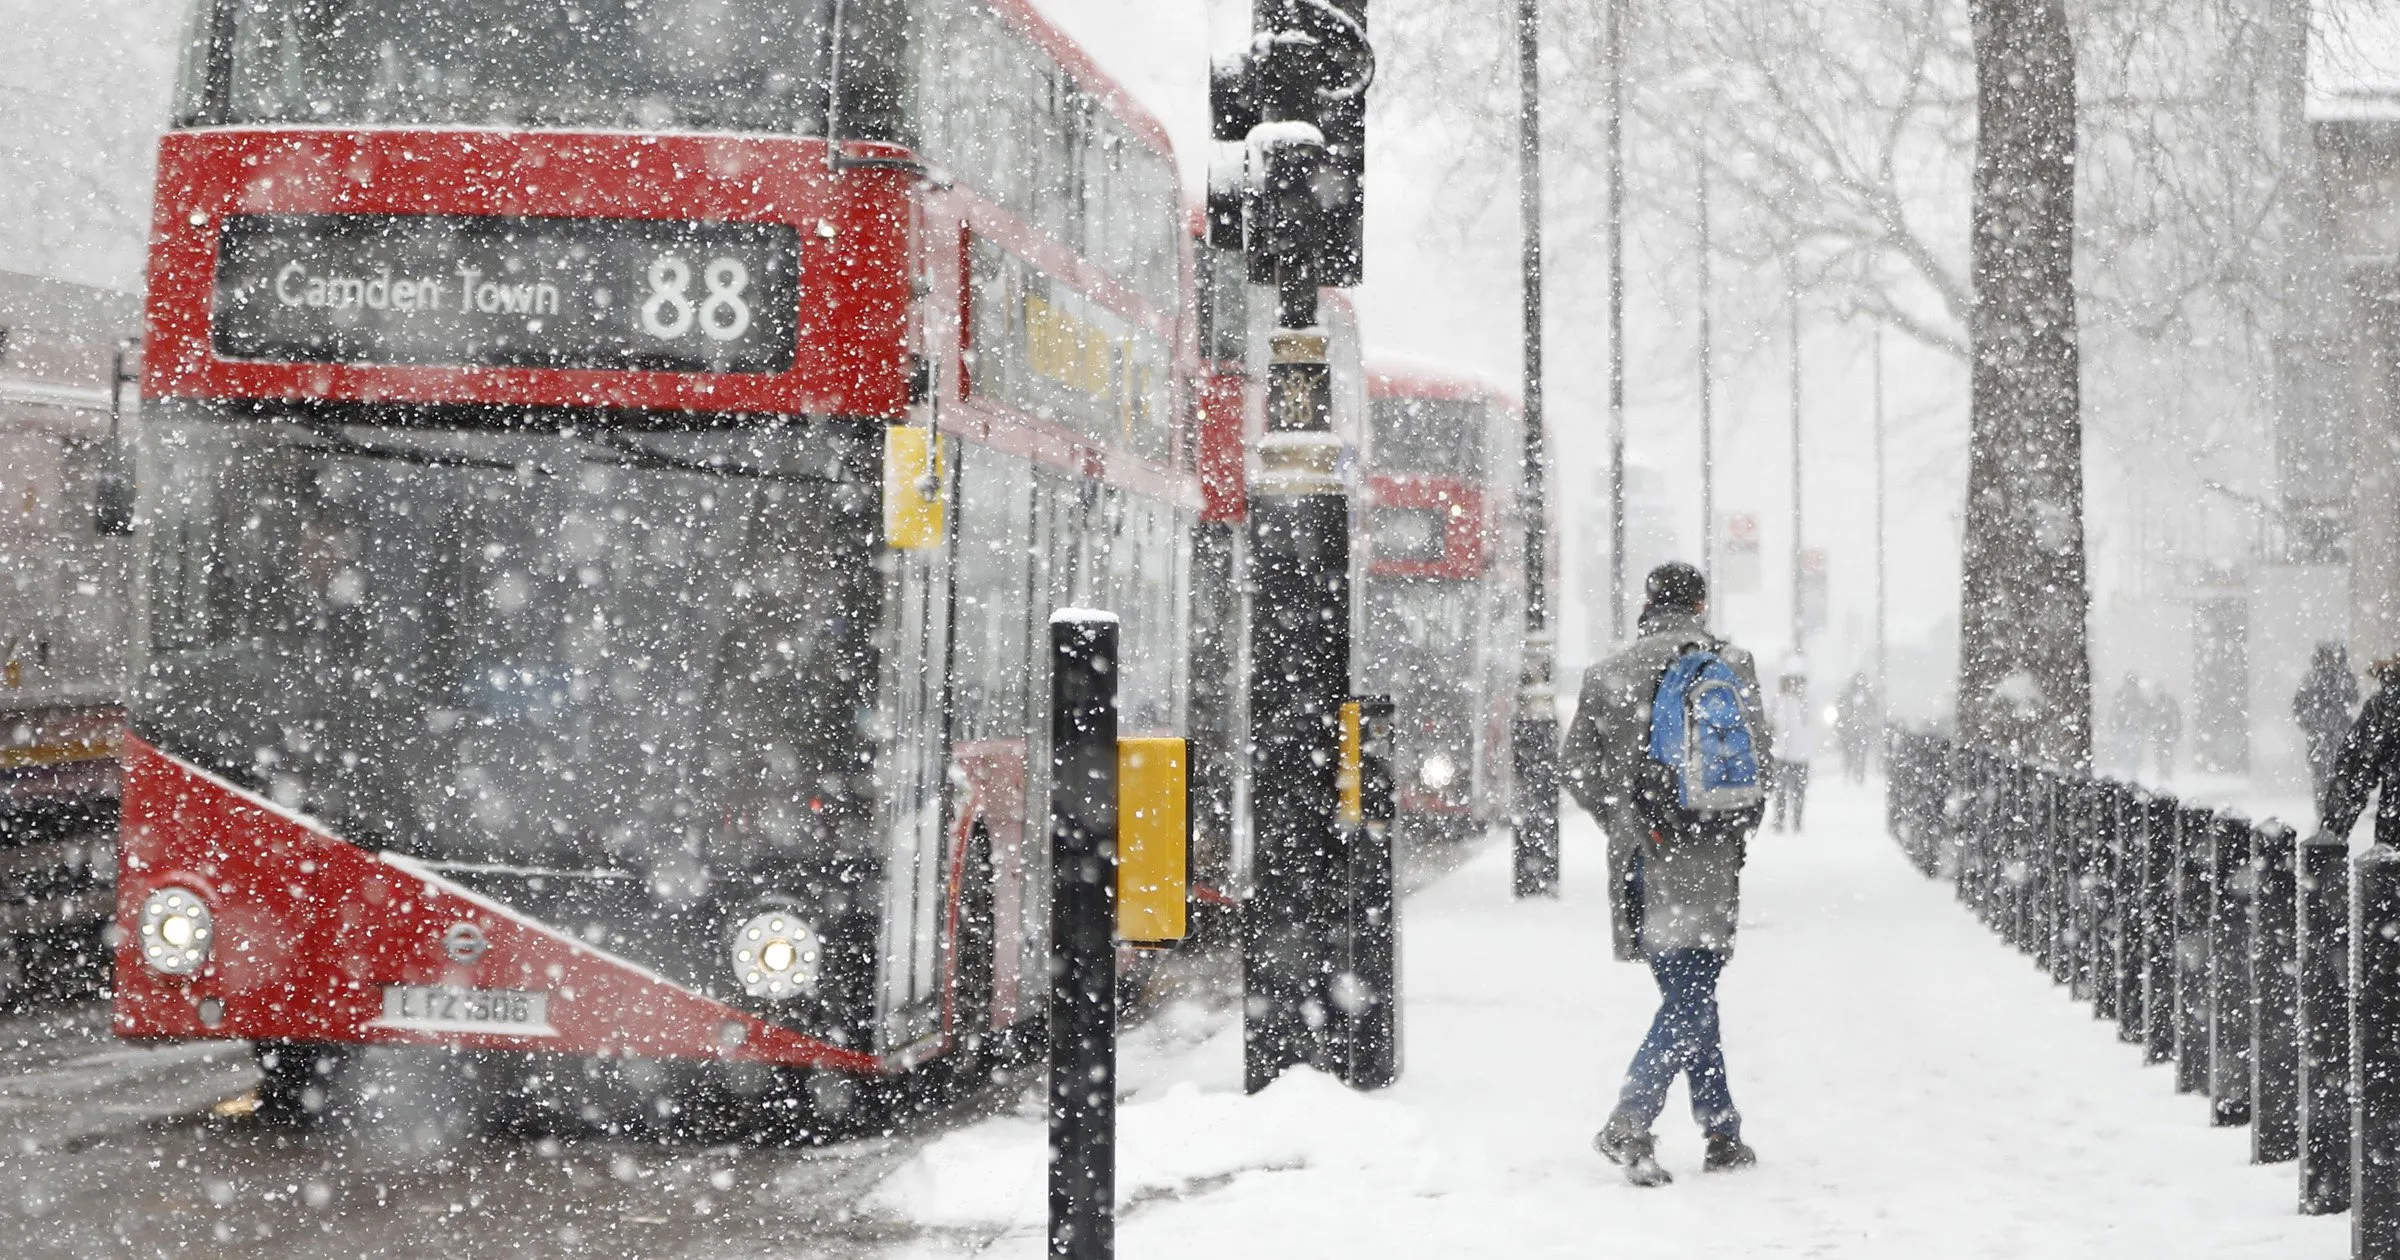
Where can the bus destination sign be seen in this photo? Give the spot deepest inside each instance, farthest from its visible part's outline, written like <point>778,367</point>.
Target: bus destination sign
<point>488,291</point>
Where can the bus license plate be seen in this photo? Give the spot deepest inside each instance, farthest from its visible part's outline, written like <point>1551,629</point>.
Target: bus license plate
<point>431,1008</point>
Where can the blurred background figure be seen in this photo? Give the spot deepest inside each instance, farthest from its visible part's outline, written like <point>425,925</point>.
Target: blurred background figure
<point>2128,727</point>
<point>1856,719</point>
<point>2322,706</point>
<point>1795,744</point>
<point>2165,728</point>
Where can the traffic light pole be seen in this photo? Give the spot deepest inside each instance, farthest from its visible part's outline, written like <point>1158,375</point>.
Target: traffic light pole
<point>1307,138</point>
<point>1534,733</point>
<point>1299,677</point>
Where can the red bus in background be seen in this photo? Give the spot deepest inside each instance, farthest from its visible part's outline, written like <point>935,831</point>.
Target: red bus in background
<point>1441,591</point>
<point>595,530</point>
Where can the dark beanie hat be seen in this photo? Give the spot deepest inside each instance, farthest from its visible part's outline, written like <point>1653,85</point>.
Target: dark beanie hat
<point>1675,586</point>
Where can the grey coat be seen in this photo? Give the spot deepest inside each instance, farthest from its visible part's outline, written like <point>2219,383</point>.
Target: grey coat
<point>1691,878</point>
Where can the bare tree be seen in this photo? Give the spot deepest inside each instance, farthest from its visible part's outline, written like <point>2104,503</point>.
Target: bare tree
<point>85,87</point>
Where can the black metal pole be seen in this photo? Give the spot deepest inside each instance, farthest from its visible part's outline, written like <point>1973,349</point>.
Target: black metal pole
<point>2192,901</point>
<point>1614,124</point>
<point>2274,999</point>
<point>1083,948</point>
<point>2162,872</point>
<point>2324,932</point>
<point>1799,514</point>
<point>2024,864</point>
<point>1292,925</point>
<point>1299,677</point>
<point>2375,1055</point>
<point>2059,936</point>
<point>1371,1002</point>
<point>1533,733</point>
<point>2100,878</point>
<point>2229,1028</point>
<point>1708,397</point>
<point>1882,568</point>
<point>1975,828</point>
<point>2076,869</point>
<point>2131,909</point>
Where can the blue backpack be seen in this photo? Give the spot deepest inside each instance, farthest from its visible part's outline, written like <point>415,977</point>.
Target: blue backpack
<point>1700,731</point>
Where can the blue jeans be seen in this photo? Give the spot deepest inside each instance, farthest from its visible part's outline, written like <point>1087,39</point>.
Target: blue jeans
<point>1683,1040</point>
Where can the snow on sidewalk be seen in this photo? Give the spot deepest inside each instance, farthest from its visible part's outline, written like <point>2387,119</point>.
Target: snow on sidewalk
<point>1914,1089</point>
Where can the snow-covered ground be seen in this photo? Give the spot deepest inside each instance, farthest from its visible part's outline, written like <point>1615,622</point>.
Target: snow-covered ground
<point>1914,1089</point>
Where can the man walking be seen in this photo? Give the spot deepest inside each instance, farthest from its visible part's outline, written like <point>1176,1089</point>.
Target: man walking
<point>1665,751</point>
<point>2328,692</point>
<point>2368,763</point>
<point>1856,724</point>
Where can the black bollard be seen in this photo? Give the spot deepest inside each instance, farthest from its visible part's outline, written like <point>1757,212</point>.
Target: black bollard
<point>2101,885</point>
<point>2067,903</point>
<point>2024,866</point>
<point>2162,872</point>
<point>2324,930</point>
<point>2015,871</point>
<point>1971,788</point>
<point>1983,813</point>
<point>2050,937</point>
<point>2194,830</point>
<point>2274,999</point>
<point>1370,1001</point>
<point>2229,884</point>
<point>1940,795</point>
<point>2133,907</point>
<point>1083,944</point>
<point>2375,1054</point>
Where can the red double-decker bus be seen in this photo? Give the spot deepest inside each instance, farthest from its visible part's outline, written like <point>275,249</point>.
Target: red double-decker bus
<point>1441,595</point>
<point>596,528</point>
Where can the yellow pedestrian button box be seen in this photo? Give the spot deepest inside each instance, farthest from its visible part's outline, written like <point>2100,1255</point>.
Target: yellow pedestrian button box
<point>1346,776</point>
<point>912,487</point>
<point>1152,840</point>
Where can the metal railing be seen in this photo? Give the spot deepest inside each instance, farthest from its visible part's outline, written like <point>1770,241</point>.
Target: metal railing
<point>2218,945</point>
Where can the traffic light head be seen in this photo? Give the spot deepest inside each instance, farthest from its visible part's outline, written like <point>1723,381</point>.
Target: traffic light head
<point>1296,99</point>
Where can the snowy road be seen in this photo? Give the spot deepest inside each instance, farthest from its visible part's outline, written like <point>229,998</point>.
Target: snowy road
<point>109,1149</point>
<point>1914,1089</point>
<point>113,1150</point>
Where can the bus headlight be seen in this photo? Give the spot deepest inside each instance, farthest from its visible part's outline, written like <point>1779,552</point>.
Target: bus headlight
<point>776,955</point>
<point>176,930</point>
<point>1437,772</point>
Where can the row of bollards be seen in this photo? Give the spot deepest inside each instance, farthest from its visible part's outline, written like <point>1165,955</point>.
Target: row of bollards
<point>2265,967</point>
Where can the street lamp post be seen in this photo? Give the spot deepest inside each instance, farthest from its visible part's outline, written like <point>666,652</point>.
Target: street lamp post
<point>1534,733</point>
<point>1616,321</point>
<point>1708,421</point>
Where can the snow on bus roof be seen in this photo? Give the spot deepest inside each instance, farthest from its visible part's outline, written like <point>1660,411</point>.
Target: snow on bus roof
<point>1087,72</point>
<point>2354,61</point>
<point>1398,376</point>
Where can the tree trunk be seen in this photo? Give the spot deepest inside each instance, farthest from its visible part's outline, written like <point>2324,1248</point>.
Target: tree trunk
<point>2025,680</point>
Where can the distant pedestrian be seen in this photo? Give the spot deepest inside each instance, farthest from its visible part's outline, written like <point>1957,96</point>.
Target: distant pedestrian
<point>2166,729</point>
<point>2328,692</point>
<point>1795,727</point>
<point>2129,725</point>
<point>1666,750</point>
<point>1857,718</point>
<point>2368,763</point>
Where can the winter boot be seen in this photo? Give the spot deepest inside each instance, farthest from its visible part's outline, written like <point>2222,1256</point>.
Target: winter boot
<point>1633,1150</point>
<point>1726,1153</point>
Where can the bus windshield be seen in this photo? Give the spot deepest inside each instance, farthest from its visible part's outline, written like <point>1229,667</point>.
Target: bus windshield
<point>1428,435</point>
<point>594,651</point>
<point>743,65</point>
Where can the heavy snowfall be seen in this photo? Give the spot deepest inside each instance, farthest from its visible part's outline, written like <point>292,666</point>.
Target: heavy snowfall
<point>643,628</point>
